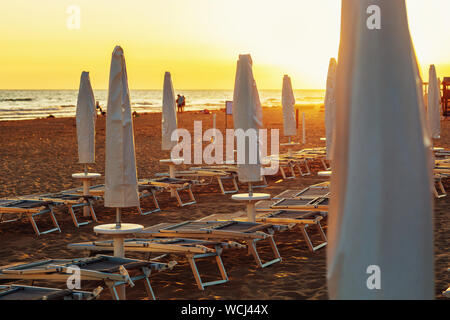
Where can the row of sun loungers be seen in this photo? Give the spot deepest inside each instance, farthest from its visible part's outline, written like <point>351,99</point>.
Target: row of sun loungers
<point>114,272</point>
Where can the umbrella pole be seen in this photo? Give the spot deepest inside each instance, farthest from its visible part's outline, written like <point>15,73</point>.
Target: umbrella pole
<point>118,218</point>
<point>86,185</point>
<point>119,251</point>
<point>250,205</point>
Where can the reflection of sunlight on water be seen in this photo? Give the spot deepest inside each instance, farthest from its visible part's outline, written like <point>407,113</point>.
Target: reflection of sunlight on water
<point>31,104</point>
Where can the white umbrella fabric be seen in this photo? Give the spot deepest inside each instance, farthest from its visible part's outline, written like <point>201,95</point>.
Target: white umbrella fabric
<point>121,189</point>
<point>330,105</point>
<point>86,116</point>
<point>247,114</point>
<point>169,114</point>
<point>380,221</point>
<point>434,104</point>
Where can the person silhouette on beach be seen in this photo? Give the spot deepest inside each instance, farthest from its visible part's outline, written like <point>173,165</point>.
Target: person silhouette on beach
<point>179,103</point>
<point>183,103</point>
<point>97,106</point>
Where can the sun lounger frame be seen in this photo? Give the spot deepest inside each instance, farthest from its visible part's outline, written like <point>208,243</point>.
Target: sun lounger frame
<point>31,213</point>
<point>79,201</point>
<point>250,237</point>
<point>59,270</point>
<point>192,253</point>
<point>182,185</point>
<point>53,294</point>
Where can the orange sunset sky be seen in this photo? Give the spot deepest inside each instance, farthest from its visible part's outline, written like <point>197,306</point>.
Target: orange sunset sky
<point>197,40</point>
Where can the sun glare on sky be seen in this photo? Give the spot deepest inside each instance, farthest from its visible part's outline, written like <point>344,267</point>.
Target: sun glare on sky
<point>197,40</point>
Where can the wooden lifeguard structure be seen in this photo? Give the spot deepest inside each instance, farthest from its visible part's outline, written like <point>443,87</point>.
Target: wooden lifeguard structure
<point>446,97</point>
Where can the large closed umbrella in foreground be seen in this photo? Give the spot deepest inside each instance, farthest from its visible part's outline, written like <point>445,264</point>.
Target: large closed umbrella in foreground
<point>380,228</point>
<point>169,114</point>
<point>247,117</point>
<point>330,105</point>
<point>434,104</point>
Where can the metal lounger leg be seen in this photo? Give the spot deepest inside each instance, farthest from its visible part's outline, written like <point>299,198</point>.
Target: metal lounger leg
<point>311,247</point>
<point>52,216</point>
<point>201,285</point>
<point>299,166</point>
<point>222,188</point>
<point>254,251</point>
<point>442,189</point>
<point>325,165</point>
<point>155,202</point>
<point>191,196</point>
<point>148,286</point>
<point>263,185</point>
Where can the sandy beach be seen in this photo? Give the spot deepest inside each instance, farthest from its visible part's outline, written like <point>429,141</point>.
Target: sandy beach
<point>39,156</point>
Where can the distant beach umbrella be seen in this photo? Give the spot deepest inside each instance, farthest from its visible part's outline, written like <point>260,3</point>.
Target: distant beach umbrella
<point>121,189</point>
<point>247,115</point>
<point>169,114</point>
<point>86,116</point>
<point>330,105</point>
<point>434,104</point>
<point>380,235</point>
<point>288,103</point>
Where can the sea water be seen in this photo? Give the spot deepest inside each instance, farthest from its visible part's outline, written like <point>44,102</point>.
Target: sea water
<point>32,104</point>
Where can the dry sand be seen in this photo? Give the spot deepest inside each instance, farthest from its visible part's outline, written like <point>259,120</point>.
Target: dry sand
<point>40,156</point>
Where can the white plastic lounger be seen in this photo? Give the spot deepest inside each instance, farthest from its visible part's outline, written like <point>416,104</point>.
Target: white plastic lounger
<point>21,292</point>
<point>249,233</point>
<point>111,270</point>
<point>16,209</point>
<point>192,249</point>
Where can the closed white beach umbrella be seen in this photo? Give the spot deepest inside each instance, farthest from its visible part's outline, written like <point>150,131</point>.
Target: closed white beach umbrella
<point>330,105</point>
<point>169,113</point>
<point>434,104</point>
<point>380,235</point>
<point>247,114</point>
<point>288,103</point>
<point>121,188</point>
<point>86,116</point>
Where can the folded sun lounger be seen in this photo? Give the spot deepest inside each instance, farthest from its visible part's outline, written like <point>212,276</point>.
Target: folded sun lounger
<point>16,209</point>
<point>111,270</point>
<point>247,232</point>
<point>21,292</point>
<point>192,249</point>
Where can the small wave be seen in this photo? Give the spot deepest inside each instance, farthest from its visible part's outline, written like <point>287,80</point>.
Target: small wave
<point>16,99</point>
